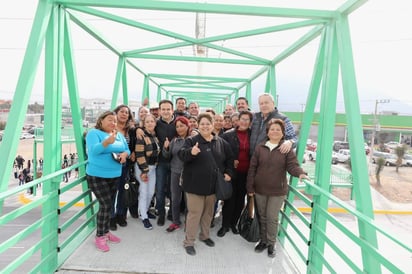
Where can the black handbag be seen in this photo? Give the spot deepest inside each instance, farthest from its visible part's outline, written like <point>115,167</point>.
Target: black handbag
<point>131,187</point>
<point>223,188</point>
<point>248,225</point>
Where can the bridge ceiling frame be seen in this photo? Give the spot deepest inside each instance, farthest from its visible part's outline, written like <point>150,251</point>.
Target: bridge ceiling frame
<point>213,69</point>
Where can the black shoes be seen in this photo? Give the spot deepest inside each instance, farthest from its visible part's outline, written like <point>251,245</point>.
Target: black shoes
<point>212,224</point>
<point>121,220</point>
<point>151,215</point>
<point>271,251</point>
<point>209,242</point>
<point>113,224</point>
<point>161,220</point>
<point>190,250</point>
<point>260,247</point>
<point>234,229</point>
<point>222,231</point>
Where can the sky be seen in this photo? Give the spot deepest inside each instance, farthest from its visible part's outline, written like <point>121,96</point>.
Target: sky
<point>381,41</point>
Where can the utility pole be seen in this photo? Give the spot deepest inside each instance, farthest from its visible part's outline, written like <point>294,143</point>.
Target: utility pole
<point>376,126</point>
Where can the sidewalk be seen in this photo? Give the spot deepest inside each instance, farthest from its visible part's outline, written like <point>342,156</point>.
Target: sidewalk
<point>156,251</point>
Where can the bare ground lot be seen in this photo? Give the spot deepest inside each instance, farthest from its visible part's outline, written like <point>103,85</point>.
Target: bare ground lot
<point>395,186</point>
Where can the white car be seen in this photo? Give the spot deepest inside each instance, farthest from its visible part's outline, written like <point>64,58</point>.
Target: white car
<point>343,155</point>
<point>392,145</point>
<point>390,158</point>
<point>26,135</point>
<point>408,159</point>
<point>312,156</point>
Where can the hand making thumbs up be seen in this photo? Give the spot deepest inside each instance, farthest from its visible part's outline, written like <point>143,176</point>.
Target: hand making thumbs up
<point>166,143</point>
<point>195,149</point>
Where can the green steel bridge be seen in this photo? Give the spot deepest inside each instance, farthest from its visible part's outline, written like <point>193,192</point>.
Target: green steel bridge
<point>210,79</point>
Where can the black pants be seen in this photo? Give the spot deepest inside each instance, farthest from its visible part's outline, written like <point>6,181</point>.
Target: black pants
<point>233,207</point>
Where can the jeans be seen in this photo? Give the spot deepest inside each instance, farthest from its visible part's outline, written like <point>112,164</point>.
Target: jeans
<point>163,173</point>
<point>146,190</point>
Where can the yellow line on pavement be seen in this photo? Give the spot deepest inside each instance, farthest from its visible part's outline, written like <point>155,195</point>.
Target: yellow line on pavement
<point>341,210</point>
<point>24,200</point>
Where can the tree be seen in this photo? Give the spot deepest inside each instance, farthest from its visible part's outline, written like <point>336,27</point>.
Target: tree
<point>380,163</point>
<point>400,153</point>
<point>35,108</point>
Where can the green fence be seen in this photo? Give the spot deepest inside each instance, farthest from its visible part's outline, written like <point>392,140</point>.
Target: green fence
<point>59,231</point>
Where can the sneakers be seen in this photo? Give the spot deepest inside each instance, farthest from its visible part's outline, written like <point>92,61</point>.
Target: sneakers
<point>101,243</point>
<point>173,227</point>
<point>112,238</point>
<point>112,225</point>
<point>151,215</point>
<point>147,224</point>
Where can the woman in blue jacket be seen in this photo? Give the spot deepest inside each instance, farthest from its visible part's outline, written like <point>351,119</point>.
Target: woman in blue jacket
<point>107,150</point>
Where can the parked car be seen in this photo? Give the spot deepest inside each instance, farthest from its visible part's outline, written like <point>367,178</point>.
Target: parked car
<point>390,158</point>
<point>312,156</point>
<point>337,145</point>
<point>343,155</point>
<point>392,145</point>
<point>26,135</point>
<point>408,159</point>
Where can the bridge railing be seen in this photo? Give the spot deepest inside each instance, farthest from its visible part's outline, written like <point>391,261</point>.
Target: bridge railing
<point>61,223</point>
<point>64,216</point>
<point>337,246</point>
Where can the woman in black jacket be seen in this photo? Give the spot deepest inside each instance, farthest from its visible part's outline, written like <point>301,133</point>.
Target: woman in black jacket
<point>201,155</point>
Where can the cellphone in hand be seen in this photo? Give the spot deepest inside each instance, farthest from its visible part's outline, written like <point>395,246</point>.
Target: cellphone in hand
<point>116,156</point>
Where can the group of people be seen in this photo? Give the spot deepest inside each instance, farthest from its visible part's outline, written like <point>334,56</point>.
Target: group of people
<point>21,172</point>
<point>179,155</point>
<point>68,161</point>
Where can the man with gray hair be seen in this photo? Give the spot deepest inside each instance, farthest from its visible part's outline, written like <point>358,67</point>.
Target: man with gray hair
<point>193,109</point>
<point>268,111</point>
